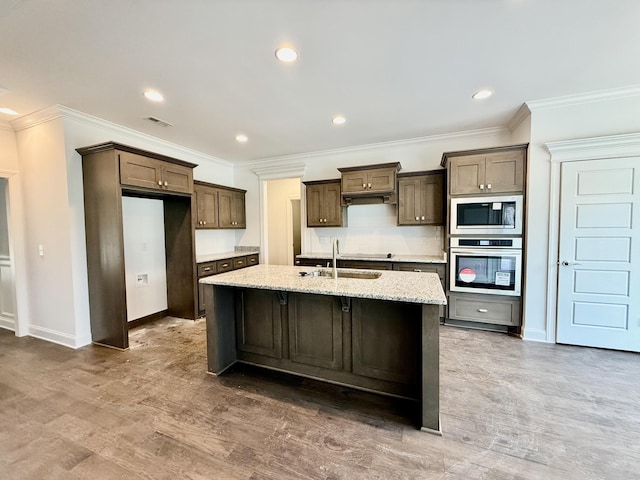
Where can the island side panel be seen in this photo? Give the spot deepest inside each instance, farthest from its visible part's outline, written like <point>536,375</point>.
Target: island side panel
<point>221,328</point>
<point>431,369</point>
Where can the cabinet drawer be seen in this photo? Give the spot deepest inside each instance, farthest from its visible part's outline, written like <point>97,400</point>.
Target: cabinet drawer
<point>253,260</point>
<point>224,265</point>
<point>365,265</point>
<point>239,262</point>
<point>481,308</point>
<point>206,269</point>
<point>422,267</point>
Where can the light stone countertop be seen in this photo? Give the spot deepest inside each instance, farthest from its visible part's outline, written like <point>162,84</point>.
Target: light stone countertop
<point>412,287</point>
<point>377,258</point>
<point>211,257</point>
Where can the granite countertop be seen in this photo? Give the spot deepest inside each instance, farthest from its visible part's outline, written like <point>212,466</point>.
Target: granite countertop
<point>378,258</point>
<point>398,286</point>
<point>211,257</point>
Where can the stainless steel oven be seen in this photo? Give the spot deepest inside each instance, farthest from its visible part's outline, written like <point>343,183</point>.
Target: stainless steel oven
<point>490,215</point>
<point>486,265</point>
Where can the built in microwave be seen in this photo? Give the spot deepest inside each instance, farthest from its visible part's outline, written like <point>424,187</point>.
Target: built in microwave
<point>490,215</point>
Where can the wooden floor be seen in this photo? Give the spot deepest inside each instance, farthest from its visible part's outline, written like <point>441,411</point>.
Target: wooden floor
<point>510,410</point>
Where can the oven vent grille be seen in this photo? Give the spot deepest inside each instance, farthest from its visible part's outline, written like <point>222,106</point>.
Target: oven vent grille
<point>156,120</point>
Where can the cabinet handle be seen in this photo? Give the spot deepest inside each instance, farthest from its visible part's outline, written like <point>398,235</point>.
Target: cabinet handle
<point>364,185</point>
<point>206,269</point>
<point>483,310</point>
<point>422,217</point>
<point>225,265</point>
<point>417,218</point>
<point>166,184</point>
<point>204,222</point>
<point>481,186</point>
<point>369,185</point>
<point>240,262</point>
<point>417,270</point>
<point>159,183</point>
<point>488,186</point>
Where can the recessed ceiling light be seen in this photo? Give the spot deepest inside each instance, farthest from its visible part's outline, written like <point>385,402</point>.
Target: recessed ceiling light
<point>242,138</point>
<point>8,111</point>
<point>286,54</point>
<point>339,120</point>
<point>482,94</point>
<point>153,95</point>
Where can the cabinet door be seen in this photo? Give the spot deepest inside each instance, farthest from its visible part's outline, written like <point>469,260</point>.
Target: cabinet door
<point>505,172</point>
<point>139,171</point>
<point>432,199</point>
<point>315,212</point>
<point>381,179</point>
<point>386,340</point>
<point>467,174</point>
<point>409,199</point>
<point>207,207</point>
<point>315,330</point>
<point>355,182</point>
<point>258,322</point>
<point>225,201</point>
<point>177,178</point>
<point>238,212</point>
<point>331,205</point>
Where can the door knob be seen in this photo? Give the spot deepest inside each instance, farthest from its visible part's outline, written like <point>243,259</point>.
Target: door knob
<point>565,263</point>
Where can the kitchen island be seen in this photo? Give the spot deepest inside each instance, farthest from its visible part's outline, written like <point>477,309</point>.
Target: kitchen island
<point>375,331</point>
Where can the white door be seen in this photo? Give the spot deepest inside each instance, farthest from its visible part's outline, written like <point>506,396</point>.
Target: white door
<point>599,271</point>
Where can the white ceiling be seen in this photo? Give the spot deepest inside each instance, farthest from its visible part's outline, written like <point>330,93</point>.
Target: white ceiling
<point>397,69</point>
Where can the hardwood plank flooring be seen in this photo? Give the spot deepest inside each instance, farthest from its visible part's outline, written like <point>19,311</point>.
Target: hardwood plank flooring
<point>509,409</point>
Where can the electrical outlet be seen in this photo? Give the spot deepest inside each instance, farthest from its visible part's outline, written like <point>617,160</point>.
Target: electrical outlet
<point>142,279</point>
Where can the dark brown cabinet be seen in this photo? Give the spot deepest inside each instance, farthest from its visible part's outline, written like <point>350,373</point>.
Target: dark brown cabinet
<point>315,330</point>
<point>372,178</point>
<point>142,171</point>
<point>111,170</point>
<point>323,204</point>
<point>231,208</point>
<point>219,206</point>
<point>258,322</point>
<point>206,269</point>
<point>206,206</point>
<point>479,172</point>
<point>421,198</point>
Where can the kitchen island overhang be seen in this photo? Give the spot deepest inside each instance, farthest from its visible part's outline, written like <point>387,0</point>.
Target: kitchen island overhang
<point>378,335</point>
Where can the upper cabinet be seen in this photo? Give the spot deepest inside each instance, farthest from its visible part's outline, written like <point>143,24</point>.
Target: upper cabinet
<point>495,170</point>
<point>370,182</point>
<point>421,198</point>
<point>219,207</point>
<point>231,208</point>
<point>323,204</point>
<point>151,173</point>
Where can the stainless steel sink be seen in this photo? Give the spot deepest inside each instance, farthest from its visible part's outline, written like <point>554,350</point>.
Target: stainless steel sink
<point>345,274</point>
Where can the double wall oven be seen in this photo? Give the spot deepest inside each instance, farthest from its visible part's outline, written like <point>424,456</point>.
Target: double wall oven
<point>485,254</point>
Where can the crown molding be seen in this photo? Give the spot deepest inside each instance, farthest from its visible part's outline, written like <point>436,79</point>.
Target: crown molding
<point>274,172</point>
<point>523,113</point>
<point>6,127</point>
<point>60,111</point>
<point>584,98</point>
<point>482,132</point>
<point>613,146</point>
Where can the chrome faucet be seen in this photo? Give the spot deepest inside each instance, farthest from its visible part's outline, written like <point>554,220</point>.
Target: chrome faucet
<point>336,251</point>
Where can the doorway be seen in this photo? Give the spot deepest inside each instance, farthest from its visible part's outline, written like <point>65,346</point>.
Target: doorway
<point>7,278</point>
<point>599,248</point>
<point>282,231</point>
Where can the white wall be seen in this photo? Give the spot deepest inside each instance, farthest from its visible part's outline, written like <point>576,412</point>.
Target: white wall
<point>553,122</point>
<point>279,195</point>
<point>370,228</point>
<point>144,255</point>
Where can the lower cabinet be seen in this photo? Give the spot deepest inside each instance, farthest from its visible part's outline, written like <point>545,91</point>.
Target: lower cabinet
<point>386,340</point>
<point>258,323</point>
<point>315,330</point>
<point>494,309</point>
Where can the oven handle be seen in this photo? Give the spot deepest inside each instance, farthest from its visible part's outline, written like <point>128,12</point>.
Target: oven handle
<point>493,251</point>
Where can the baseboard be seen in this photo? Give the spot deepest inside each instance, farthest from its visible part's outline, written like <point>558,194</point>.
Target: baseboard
<point>60,338</point>
<point>8,323</point>
<point>535,335</point>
